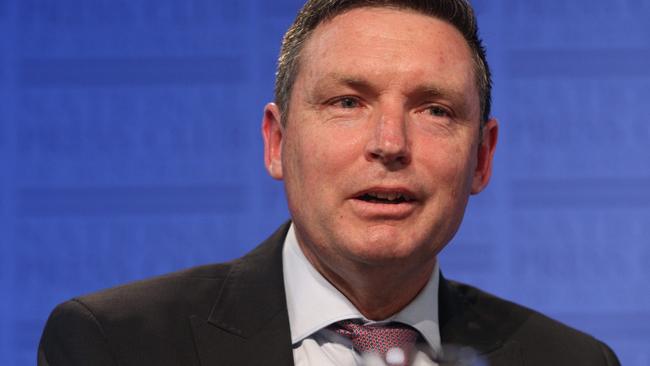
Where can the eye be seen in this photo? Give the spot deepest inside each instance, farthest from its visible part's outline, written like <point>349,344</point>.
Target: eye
<point>437,111</point>
<point>347,102</point>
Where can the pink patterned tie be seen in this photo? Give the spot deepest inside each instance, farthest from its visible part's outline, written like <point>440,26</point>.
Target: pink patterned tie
<point>386,340</point>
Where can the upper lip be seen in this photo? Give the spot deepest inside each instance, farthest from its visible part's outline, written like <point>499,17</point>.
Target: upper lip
<point>388,192</point>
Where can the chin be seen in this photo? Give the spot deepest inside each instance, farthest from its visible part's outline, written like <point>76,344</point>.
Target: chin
<point>384,246</point>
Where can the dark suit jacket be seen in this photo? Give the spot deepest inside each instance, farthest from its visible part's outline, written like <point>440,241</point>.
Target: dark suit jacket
<point>236,314</point>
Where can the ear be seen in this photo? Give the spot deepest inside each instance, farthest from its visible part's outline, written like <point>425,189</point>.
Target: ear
<point>272,131</point>
<point>485,154</point>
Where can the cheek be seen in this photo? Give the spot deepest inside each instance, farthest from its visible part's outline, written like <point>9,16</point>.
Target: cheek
<point>329,152</point>
<point>308,165</point>
<point>292,168</point>
<point>464,166</point>
<point>450,165</point>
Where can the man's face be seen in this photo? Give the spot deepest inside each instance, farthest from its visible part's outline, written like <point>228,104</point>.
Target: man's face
<point>381,150</point>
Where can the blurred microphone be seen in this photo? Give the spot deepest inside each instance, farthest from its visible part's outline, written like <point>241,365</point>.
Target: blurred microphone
<point>451,356</point>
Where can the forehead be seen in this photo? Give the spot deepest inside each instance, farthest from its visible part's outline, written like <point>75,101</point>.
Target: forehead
<point>394,45</point>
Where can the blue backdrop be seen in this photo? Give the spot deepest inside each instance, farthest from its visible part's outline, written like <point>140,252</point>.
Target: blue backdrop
<point>130,147</point>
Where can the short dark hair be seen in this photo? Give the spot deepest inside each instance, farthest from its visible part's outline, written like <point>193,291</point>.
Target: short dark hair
<point>458,13</point>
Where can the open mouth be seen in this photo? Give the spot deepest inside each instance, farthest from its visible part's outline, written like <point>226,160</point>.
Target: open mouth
<point>392,198</point>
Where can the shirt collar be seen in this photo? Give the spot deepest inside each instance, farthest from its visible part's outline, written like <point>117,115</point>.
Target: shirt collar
<point>314,303</point>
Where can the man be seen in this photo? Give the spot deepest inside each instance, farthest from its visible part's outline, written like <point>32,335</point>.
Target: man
<point>381,132</point>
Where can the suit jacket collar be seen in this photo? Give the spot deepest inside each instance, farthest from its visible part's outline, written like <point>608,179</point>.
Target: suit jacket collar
<point>469,318</point>
<point>249,324</point>
<point>458,321</point>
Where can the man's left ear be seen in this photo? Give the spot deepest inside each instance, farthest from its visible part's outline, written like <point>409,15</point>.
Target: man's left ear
<point>485,154</point>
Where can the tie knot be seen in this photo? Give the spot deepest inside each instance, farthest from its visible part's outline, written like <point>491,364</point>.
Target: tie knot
<point>394,342</point>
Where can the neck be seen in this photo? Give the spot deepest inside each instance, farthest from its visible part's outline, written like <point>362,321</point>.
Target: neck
<point>377,291</point>
<point>384,295</point>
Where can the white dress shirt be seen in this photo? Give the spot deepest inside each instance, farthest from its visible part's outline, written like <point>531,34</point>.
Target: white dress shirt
<point>314,303</point>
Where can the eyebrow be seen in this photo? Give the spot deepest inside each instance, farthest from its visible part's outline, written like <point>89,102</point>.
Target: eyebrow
<point>351,81</point>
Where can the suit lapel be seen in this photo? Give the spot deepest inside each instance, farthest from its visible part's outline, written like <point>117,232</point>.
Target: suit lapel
<point>249,324</point>
<point>466,320</point>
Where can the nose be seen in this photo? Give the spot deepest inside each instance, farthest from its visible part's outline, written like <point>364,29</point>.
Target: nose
<point>389,143</point>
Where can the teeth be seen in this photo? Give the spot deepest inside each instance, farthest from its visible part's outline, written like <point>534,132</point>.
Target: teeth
<point>391,196</point>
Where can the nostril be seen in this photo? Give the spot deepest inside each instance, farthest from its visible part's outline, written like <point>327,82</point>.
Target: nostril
<point>388,151</point>
<point>404,159</point>
<point>400,157</point>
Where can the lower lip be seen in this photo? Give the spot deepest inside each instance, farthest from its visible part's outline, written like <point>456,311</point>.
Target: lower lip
<point>385,211</point>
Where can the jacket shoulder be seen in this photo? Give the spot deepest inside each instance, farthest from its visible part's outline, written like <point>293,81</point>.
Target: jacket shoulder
<point>102,327</point>
<point>177,290</point>
<point>540,339</point>
<point>153,321</point>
